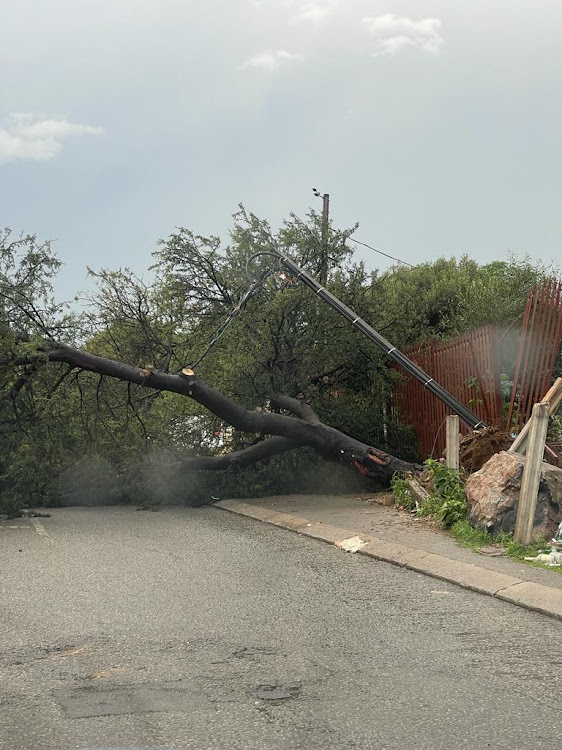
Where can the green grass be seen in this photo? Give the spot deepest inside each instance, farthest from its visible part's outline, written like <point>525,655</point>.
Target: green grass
<point>467,536</point>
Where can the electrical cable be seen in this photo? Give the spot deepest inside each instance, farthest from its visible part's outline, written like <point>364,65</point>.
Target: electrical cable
<point>244,299</point>
<point>257,255</point>
<point>255,285</point>
<point>380,252</point>
<point>411,367</point>
<point>351,239</point>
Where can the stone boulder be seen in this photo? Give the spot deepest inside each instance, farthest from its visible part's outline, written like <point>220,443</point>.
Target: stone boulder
<point>493,494</point>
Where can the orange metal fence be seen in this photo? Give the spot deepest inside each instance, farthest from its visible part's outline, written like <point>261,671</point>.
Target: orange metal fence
<point>469,368</point>
<point>539,345</point>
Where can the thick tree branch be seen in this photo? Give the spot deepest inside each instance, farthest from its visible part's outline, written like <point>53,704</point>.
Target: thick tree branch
<point>239,459</point>
<point>330,443</point>
<point>296,407</point>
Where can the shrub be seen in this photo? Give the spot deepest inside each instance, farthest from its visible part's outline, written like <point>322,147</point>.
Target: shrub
<point>447,501</point>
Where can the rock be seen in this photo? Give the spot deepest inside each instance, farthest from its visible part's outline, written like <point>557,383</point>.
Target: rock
<point>493,494</point>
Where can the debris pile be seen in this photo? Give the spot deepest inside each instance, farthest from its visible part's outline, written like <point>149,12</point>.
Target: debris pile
<point>554,557</point>
<point>479,446</point>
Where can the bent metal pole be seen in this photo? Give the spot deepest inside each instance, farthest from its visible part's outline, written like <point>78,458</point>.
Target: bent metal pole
<point>470,419</point>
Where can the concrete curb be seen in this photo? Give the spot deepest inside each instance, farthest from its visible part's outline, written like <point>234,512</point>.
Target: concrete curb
<point>532,596</point>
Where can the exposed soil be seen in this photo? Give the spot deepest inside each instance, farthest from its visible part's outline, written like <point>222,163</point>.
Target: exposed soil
<point>480,445</point>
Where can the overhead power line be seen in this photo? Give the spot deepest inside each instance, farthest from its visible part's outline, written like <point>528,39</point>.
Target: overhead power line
<point>326,226</point>
<point>380,252</point>
<point>351,239</point>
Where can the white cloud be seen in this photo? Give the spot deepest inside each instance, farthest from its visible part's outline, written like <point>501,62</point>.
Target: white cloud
<point>300,10</point>
<point>34,138</point>
<point>269,60</point>
<point>316,10</point>
<point>393,34</point>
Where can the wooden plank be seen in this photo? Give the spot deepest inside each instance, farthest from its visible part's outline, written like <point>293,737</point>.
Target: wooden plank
<point>453,440</point>
<point>531,475</point>
<point>553,398</point>
<point>420,494</point>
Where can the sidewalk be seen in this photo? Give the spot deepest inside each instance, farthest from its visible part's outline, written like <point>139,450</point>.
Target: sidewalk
<point>396,537</point>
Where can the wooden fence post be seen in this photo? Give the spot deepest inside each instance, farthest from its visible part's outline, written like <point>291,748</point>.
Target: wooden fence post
<point>531,474</point>
<point>453,440</point>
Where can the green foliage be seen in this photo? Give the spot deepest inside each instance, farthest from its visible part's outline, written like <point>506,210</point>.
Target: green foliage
<point>468,536</point>
<point>446,502</point>
<point>402,493</point>
<point>449,296</point>
<point>29,435</point>
<point>53,419</point>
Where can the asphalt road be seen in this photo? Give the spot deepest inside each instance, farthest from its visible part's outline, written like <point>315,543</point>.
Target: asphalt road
<point>203,630</point>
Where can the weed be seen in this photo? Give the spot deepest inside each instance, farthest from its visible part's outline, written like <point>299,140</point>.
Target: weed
<point>402,493</point>
<point>447,503</point>
<point>467,536</point>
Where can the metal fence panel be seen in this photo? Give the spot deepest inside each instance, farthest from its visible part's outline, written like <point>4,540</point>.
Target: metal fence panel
<point>469,368</point>
<point>539,345</point>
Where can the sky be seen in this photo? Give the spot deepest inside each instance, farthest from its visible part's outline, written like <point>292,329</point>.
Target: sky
<point>434,124</point>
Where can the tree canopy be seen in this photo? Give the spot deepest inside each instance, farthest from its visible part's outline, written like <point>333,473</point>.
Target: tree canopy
<point>252,361</point>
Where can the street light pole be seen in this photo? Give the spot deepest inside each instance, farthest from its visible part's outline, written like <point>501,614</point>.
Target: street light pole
<point>325,236</point>
<point>325,239</point>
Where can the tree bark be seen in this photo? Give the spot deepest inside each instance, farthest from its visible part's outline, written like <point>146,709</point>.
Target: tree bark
<point>290,432</point>
<point>239,459</point>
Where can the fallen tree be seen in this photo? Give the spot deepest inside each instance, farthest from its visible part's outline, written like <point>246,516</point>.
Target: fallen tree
<point>278,432</point>
<point>289,376</point>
